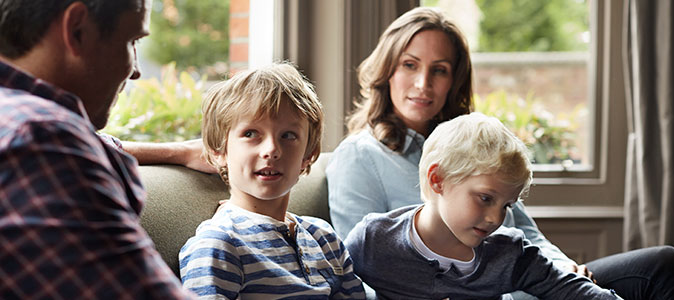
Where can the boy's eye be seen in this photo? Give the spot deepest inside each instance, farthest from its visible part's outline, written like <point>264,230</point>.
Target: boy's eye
<point>249,133</point>
<point>485,198</point>
<point>289,135</point>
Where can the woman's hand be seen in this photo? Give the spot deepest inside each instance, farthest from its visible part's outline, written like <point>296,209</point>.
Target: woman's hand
<point>583,270</point>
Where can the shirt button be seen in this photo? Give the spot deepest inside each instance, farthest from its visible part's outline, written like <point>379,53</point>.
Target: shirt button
<point>306,268</point>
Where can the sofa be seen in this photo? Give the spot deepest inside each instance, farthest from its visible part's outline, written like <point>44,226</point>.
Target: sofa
<point>179,199</point>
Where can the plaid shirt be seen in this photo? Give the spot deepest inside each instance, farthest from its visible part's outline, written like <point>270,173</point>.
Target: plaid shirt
<point>69,204</point>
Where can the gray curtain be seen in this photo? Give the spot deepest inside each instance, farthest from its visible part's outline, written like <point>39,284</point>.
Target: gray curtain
<point>649,183</point>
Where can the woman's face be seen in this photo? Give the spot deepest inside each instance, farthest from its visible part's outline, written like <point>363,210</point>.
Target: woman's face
<point>422,79</point>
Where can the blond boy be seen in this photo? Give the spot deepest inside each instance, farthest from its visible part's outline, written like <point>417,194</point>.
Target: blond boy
<point>471,171</point>
<point>261,130</point>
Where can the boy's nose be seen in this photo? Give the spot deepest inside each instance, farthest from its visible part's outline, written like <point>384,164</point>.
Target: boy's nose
<point>270,149</point>
<point>495,216</point>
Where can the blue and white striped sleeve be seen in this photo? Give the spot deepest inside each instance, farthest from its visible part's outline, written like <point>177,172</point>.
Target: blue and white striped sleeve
<point>210,265</point>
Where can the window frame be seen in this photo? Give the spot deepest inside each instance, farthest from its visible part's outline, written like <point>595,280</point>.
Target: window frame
<point>356,22</point>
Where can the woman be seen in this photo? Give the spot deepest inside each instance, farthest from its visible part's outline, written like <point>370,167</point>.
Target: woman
<point>418,76</point>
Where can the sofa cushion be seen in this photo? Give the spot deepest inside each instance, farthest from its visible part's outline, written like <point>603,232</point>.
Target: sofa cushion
<point>179,199</point>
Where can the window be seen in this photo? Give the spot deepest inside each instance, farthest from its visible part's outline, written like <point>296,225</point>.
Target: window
<point>191,44</point>
<point>599,177</point>
<point>531,71</point>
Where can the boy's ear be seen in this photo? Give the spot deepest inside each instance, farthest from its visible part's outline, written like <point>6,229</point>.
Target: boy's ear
<point>307,159</point>
<point>75,27</point>
<point>434,179</point>
<point>219,158</point>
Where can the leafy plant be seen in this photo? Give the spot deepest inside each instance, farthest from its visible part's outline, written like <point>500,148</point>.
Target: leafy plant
<point>195,34</point>
<point>533,25</point>
<point>550,137</point>
<point>164,110</point>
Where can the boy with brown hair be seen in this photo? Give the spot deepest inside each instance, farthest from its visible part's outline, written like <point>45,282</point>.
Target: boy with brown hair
<point>262,129</point>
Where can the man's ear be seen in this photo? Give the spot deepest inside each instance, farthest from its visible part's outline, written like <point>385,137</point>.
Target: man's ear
<point>75,27</point>
<point>434,179</point>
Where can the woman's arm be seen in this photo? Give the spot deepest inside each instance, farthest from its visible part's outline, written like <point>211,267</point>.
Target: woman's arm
<point>354,187</point>
<point>526,223</point>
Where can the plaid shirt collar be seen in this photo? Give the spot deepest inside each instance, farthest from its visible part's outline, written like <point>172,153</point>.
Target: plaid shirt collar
<point>13,78</point>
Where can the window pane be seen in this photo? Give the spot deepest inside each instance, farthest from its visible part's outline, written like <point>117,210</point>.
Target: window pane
<point>189,44</point>
<point>530,59</point>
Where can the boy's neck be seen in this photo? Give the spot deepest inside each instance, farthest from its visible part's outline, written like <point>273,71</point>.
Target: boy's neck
<point>437,237</point>
<point>275,208</point>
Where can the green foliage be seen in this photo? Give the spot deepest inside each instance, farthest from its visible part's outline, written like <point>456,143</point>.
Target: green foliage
<point>533,25</point>
<point>430,2</point>
<point>551,138</point>
<point>195,34</point>
<point>159,111</point>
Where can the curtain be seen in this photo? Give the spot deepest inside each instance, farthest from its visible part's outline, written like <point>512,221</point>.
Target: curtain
<point>649,183</point>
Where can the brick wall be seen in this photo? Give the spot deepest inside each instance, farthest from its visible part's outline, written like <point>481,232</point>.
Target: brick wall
<point>239,16</point>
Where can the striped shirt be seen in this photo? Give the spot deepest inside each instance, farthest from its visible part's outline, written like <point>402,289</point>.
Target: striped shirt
<point>69,204</point>
<point>239,253</point>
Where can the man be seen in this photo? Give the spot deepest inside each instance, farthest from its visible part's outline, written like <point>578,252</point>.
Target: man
<point>69,198</point>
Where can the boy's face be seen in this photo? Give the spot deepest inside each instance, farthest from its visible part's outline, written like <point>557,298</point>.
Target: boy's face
<point>473,208</point>
<point>266,156</point>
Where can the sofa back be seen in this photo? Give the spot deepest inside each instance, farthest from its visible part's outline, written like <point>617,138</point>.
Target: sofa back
<point>179,199</point>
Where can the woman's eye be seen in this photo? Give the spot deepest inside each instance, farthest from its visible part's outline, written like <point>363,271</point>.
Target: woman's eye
<point>409,65</point>
<point>289,135</point>
<point>441,71</point>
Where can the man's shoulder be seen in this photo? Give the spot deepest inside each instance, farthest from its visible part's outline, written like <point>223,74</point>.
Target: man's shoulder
<point>23,110</point>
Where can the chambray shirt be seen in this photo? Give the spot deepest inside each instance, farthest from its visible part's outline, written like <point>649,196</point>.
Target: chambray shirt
<point>365,176</point>
<point>69,204</point>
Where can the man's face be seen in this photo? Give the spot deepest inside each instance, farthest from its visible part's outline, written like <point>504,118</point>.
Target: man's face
<point>111,60</point>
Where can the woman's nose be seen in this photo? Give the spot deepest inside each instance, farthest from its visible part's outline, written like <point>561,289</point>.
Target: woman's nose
<point>422,81</point>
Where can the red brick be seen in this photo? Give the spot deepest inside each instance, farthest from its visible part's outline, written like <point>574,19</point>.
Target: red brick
<point>238,52</point>
<point>238,27</point>
<point>239,6</point>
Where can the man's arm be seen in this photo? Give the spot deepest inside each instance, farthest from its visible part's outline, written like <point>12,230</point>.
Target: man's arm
<point>188,153</point>
<point>67,225</point>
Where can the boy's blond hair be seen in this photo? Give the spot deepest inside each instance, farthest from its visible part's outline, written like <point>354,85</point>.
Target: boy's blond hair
<point>259,93</point>
<point>472,145</point>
